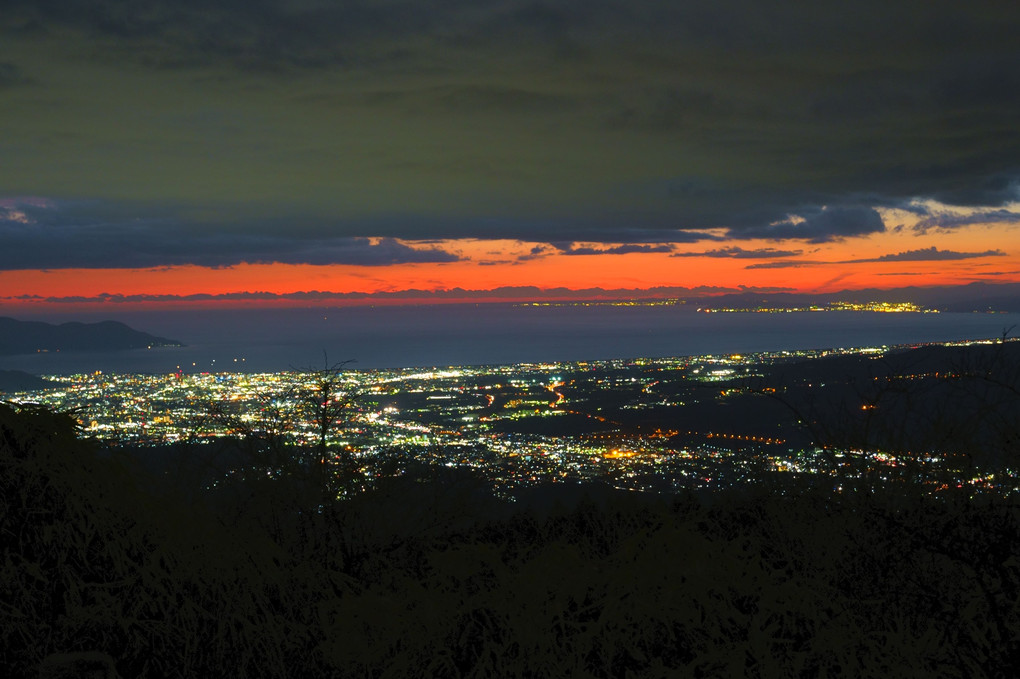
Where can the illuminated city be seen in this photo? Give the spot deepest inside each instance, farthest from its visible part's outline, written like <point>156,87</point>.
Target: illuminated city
<point>625,422</point>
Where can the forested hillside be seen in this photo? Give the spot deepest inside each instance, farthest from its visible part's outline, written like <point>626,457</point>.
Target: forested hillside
<point>106,566</point>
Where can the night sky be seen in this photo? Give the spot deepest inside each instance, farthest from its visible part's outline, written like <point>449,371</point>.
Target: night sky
<point>199,151</point>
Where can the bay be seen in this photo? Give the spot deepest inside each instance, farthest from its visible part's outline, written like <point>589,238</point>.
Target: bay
<point>250,340</point>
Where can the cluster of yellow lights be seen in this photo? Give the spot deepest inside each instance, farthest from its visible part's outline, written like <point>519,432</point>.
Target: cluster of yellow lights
<point>880,307</point>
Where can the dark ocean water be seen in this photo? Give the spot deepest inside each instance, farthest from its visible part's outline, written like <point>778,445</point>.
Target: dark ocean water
<point>377,337</point>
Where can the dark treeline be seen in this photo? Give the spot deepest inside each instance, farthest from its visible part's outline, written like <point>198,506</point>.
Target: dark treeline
<point>108,566</point>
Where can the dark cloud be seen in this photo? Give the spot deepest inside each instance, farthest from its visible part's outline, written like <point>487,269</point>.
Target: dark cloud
<point>515,100</point>
<point>616,121</point>
<point>942,220</point>
<point>187,33</point>
<point>596,232</point>
<point>735,252</point>
<point>11,75</point>
<point>536,252</point>
<point>932,254</point>
<point>38,239</point>
<point>818,225</point>
<point>667,109</point>
<point>980,191</point>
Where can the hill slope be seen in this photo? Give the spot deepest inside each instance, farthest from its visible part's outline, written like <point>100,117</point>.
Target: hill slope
<point>27,337</point>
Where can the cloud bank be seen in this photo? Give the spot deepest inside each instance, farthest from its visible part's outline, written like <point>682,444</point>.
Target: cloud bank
<point>37,238</point>
<point>559,121</point>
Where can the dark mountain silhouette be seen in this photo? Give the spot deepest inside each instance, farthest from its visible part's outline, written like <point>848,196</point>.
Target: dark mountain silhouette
<point>27,337</point>
<point>17,380</point>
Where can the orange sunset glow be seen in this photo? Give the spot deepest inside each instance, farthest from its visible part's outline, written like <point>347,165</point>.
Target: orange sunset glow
<point>485,265</point>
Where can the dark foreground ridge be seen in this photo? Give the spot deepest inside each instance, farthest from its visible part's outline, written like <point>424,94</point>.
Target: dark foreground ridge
<point>108,568</point>
<point>29,337</point>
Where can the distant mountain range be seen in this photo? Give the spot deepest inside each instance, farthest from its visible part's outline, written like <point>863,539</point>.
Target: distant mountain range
<point>29,337</point>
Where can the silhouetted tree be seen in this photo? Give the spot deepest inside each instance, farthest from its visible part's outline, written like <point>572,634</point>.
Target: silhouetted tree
<point>262,429</point>
<point>327,403</point>
<point>266,429</point>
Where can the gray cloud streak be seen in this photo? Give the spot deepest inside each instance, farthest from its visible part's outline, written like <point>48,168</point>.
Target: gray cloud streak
<point>781,265</point>
<point>931,254</point>
<point>735,252</point>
